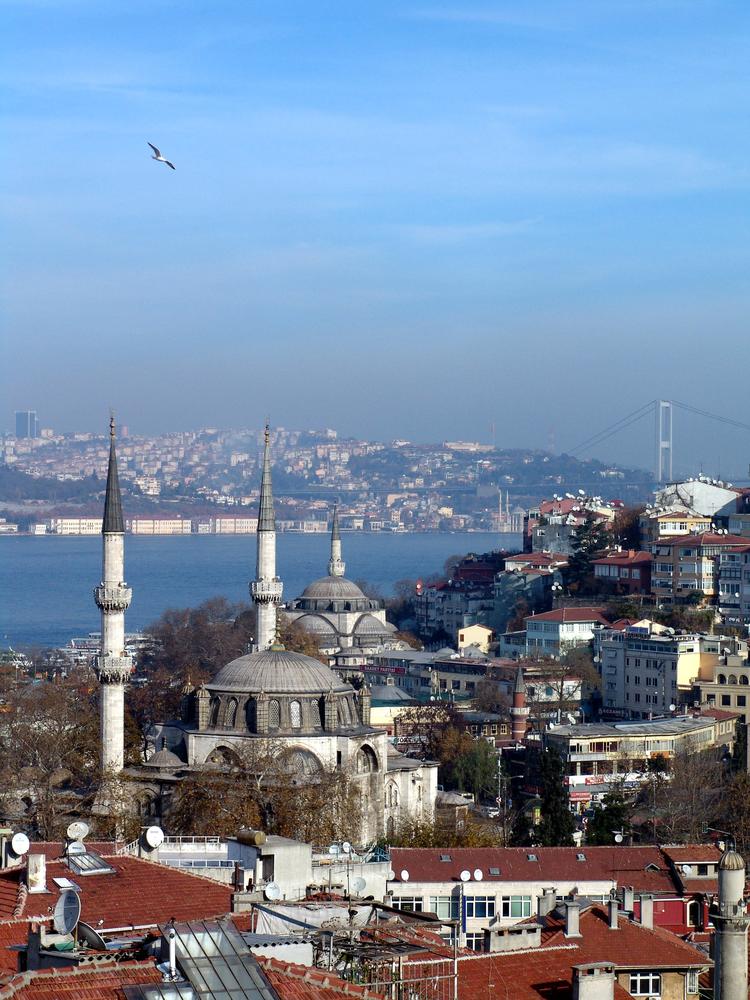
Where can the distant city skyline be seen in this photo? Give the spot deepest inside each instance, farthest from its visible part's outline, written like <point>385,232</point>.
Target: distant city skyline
<point>397,220</point>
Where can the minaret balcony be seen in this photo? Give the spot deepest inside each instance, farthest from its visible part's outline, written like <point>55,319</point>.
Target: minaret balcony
<point>267,591</point>
<point>111,669</point>
<point>110,599</point>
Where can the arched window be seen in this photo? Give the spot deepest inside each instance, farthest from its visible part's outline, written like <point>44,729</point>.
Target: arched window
<point>274,714</point>
<point>732,679</point>
<point>721,679</point>
<point>215,706</point>
<point>392,796</point>
<point>250,715</point>
<point>743,678</point>
<point>295,714</point>
<point>366,760</point>
<point>230,719</point>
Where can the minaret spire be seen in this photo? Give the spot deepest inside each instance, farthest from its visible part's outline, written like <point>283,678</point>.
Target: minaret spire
<point>266,589</point>
<point>336,565</point>
<point>113,666</point>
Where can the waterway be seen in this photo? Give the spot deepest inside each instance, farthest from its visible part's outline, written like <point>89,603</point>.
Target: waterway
<point>46,583</point>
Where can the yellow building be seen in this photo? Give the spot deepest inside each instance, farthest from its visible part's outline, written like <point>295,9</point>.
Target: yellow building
<point>724,683</point>
<point>475,635</point>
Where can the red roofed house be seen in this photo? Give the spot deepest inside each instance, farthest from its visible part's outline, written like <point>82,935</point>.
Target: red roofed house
<point>628,571</point>
<point>552,633</point>
<point>688,564</point>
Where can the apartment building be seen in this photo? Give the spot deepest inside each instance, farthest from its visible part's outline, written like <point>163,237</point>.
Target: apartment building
<point>648,669</point>
<point>75,525</point>
<point>734,585</point>
<point>725,685</point>
<point>687,564</point>
<point>656,525</point>
<point>629,572</point>
<point>599,757</point>
<point>552,633</point>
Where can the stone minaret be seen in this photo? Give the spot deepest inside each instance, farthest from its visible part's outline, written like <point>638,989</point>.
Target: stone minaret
<point>266,589</point>
<point>730,938</point>
<point>336,565</point>
<point>519,713</point>
<point>113,666</point>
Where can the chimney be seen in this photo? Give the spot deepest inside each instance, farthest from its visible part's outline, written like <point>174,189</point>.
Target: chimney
<point>613,911</point>
<point>519,938</point>
<point>546,902</point>
<point>572,918</point>
<point>647,910</point>
<point>36,873</point>
<point>628,899</point>
<point>595,981</point>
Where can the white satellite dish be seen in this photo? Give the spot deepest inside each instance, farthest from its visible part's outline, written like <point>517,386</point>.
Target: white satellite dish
<point>465,875</point>
<point>154,836</point>
<point>77,830</point>
<point>404,875</point>
<point>67,912</point>
<point>478,874</point>
<point>346,847</point>
<point>359,885</point>
<point>391,875</point>
<point>687,869</point>
<point>618,838</point>
<point>272,891</point>
<point>333,849</point>
<point>19,843</point>
<point>76,847</point>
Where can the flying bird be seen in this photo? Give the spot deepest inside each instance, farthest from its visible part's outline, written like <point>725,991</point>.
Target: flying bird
<point>157,156</point>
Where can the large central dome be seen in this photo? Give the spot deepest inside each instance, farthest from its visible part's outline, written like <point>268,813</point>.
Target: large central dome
<point>333,588</point>
<point>276,671</point>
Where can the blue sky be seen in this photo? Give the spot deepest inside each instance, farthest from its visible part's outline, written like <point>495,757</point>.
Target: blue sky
<point>410,219</point>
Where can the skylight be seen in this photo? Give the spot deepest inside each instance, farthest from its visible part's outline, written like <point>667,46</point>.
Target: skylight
<point>580,857</point>
<point>445,857</point>
<point>531,857</point>
<point>494,871</point>
<point>89,864</point>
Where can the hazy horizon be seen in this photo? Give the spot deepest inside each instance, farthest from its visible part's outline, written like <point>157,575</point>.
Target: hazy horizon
<point>397,220</point>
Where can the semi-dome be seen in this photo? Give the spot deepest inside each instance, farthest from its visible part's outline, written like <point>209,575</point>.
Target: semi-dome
<point>370,625</point>
<point>731,861</point>
<point>318,625</point>
<point>276,671</point>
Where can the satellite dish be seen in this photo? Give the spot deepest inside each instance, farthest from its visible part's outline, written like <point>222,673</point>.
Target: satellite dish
<point>92,938</point>
<point>67,912</point>
<point>359,885</point>
<point>77,847</point>
<point>272,891</point>
<point>618,838</point>
<point>77,830</point>
<point>465,875</point>
<point>391,875</point>
<point>346,847</point>
<point>478,874</point>
<point>333,849</point>
<point>687,869</point>
<point>19,843</point>
<point>672,707</point>
<point>404,875</point>
<point>154,836</point>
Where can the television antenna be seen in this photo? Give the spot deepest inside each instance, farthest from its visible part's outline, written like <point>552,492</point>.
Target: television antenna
<point>19,843</point>
<point>272,891</point>
<point>78,830</point>
<point>67,912</point>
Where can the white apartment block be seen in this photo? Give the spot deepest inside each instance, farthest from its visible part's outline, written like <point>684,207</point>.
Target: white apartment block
<point>160,526</point>
<point>75,525</point>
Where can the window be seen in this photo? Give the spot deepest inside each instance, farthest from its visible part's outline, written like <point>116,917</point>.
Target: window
<point>726,699</point>
<point>645,984</point>
<point>295,714</point>
<point>409,904</point>
<point>274,714</point>
<point>446,907</point>
<point>475,941</point>
<point>515,906</point>
<point>231,717</point>
<point>480,906</point>
<point>691,981</point>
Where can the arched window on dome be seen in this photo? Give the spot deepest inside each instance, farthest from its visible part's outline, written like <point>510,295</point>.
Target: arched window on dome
<point>230,719</point>
<point>274,714</point>
<point>295,714</point>
<point>215,706</point>
<point>250,715</point>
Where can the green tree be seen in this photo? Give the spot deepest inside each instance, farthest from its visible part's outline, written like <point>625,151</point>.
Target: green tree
<point>739,750</point>
<point>613,814</point>
<point>476,771</point>
<point>557,823</point>
<point>590,538</point>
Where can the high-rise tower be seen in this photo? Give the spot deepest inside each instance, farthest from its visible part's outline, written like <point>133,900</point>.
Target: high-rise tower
<point>730,937</point>
<point>266,589</point>
<point>336,565</point>
<point>113,666</point>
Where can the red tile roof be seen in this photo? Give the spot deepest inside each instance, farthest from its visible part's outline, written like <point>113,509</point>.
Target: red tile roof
<point>140,893</point>
<point>570,615</point>
<point>693,852</point>
<point>300,982</point>
<point>645,868</point>
<point>623,559</point>
<point>103,982</point>
<point>703,538</point>
<point>12,932</point>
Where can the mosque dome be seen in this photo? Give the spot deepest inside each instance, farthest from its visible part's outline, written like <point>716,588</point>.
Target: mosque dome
<point>164,759</point>
<point>276,671</point>
<point>731,861</point>
<point>333,588</point>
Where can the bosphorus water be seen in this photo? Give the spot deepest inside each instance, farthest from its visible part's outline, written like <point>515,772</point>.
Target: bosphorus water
<point>46,583</point>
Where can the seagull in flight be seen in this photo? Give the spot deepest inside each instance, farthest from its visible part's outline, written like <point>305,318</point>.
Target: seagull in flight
<point>157,156</point>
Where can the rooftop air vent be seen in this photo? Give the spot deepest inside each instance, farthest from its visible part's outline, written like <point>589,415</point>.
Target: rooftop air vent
<point>445,857</point>
<point>531,857</point>
<point>494,871</point>
<point>580,857</point>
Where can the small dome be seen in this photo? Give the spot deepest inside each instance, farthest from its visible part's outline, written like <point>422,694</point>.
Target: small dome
<point>333,588</point>
<point>276,671</point>
<point>370,625</point>
<point>164,758</point>
<point>731,861</point>
<point>317,625</point>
